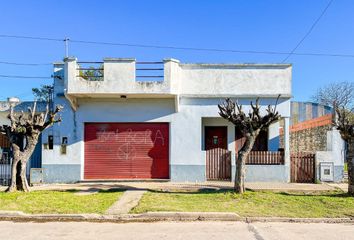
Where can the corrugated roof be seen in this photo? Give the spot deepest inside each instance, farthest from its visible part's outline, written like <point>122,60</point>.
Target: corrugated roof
<point>23,106</point>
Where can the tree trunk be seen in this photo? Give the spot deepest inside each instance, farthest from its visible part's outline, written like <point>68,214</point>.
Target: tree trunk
<point>18,177</point>
<point>14,167</point>
<point>239,186</point>
<point>22,184</point>
<point>19,165</point>
<point>350,162</point>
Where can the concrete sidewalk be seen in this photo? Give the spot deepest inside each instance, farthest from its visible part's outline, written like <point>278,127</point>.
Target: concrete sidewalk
<point>146,185</point>
<point>175,230</point>
<point>342,186</point>
<point>125,203</point>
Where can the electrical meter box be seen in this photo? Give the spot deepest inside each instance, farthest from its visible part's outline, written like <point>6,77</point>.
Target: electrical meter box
<point>36,176</point>
<point>326,172</point>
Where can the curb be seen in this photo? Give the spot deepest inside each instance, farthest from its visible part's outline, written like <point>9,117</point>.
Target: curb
<point>299,220</point>
<point>187,216</point>
<point>18,216</point>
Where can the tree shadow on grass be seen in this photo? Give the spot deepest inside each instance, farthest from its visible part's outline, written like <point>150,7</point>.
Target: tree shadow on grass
<point>92,190</point>
<point>194,191</point>
<point>111,190</point>
<point>338,194</point>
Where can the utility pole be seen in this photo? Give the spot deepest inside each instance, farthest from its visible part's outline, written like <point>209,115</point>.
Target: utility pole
<point>66,43</point>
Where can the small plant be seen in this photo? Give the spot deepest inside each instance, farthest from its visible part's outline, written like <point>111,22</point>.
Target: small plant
<point>92,74</point>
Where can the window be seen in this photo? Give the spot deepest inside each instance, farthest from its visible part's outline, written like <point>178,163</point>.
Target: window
<point>261,143</point>
<point>64,142</point>
<point>50,142</point>
<point>4,155</point>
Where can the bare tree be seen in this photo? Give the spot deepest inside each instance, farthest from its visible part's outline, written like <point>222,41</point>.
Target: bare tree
<point>23,134</point>
<point>250,125</point>
<point>344,122</point>
<point>341,93</point>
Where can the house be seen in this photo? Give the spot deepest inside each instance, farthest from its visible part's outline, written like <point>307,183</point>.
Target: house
<point>125,119</point>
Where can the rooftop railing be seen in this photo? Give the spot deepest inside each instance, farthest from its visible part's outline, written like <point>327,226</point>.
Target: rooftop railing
<point>144,71</point>
<point>90,71</point>
<point>149,71</point>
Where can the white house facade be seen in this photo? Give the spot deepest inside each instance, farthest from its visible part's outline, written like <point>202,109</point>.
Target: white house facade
<point>133,120</point>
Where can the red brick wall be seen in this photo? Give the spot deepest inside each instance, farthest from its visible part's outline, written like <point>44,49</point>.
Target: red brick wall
<point>316,122</point>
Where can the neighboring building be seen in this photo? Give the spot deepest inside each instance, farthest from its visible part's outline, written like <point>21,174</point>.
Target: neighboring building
<point>5,147</point>
<point>303,111</point>
<point>133,120</point>
<point>311,131</point>
<point>309,124</point>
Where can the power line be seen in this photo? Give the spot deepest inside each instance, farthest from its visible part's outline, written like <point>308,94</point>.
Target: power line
<point>214,49</point>
<point>31,37</point>
<point>309,31</point>
<point>186,48</point>
<point>25,64</point>
<point>17,76</point>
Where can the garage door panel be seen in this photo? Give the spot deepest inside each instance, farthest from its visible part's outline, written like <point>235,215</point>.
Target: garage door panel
<point>126,150</point>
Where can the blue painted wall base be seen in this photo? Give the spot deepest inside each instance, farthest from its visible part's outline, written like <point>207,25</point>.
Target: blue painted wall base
<point>61,173</point>
<point>265,173</point>
<point>187,173</point>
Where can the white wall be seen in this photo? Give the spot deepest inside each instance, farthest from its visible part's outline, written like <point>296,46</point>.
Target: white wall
<point>202,80</point>
<point>334,154</point>
<point>235,80</point>
<point>3,118</point>
<point>335,151</point>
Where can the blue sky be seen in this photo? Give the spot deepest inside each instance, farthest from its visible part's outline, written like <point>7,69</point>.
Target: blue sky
<point>259,25</point>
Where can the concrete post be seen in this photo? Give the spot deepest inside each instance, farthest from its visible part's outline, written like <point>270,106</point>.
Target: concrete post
<point>171,74</point>
<point>171,78</point>
<point>287,146</point>
<point>58,72</point>
<point>69,72</point>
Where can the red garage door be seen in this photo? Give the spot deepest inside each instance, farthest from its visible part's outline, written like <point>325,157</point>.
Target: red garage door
<point>126,150</point>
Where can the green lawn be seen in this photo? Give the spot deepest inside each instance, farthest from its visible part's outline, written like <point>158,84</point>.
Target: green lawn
<point>58,201</point>
<point>267,204</point>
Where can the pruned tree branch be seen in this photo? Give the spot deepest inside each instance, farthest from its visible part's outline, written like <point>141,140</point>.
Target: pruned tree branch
<point>344,122</point>
<point>250,126</point>
<point>232,111</point>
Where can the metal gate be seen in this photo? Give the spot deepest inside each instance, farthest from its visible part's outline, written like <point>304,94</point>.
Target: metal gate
<point>218,164</point>
<point>303,167</point>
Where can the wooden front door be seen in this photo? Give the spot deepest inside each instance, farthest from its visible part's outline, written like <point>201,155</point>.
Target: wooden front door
<point>218,158</point>
<point>215,137</point>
